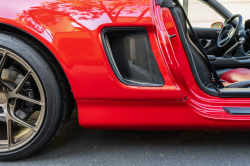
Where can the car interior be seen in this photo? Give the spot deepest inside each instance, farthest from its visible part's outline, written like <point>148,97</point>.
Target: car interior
<point>222,66</point>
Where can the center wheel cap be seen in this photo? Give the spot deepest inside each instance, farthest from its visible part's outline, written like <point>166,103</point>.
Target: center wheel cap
<point>3,98</point>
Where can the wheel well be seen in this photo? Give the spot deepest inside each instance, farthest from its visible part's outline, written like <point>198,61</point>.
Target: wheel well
<point>15,30</point>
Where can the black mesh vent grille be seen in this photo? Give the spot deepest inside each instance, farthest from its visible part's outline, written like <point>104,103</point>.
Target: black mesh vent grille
<point>132,57</point>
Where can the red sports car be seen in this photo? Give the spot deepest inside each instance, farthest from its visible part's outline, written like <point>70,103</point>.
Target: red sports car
<point>125,64</point>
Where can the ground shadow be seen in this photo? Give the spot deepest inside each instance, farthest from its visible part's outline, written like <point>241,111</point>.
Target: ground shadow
<point>103,147</point>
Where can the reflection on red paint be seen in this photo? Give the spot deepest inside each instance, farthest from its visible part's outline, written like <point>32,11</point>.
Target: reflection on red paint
<point>71,30</point>
<point>70,15</point>
<point>75,26</point>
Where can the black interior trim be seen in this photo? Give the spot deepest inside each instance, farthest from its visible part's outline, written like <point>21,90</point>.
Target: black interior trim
<point>235,92</point>
<point>209,91</point>
<point>233,62</point>
<point>209,34</point>
<point>206,33</point>
<point>242,84</point>
<point>237,110</point>
<point>165,3</point>
<point>211,58</point>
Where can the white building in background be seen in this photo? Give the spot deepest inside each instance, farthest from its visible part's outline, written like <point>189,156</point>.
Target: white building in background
<point>201,15</point>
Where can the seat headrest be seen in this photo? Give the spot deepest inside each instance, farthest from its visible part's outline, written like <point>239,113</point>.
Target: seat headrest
<point>165,3</point>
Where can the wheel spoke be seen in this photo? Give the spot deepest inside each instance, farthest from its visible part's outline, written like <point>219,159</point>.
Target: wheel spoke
<point>22,97</point>
<point>13,117</point>
<point>9,125</point>
<point>3,61</point>
<point>20,85</point>
<point>19,121</point>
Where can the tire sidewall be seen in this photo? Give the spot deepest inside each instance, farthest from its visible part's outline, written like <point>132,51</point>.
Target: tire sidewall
<point>51,93</point>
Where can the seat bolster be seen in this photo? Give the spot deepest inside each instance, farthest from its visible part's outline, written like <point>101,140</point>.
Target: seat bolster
<point>242,84</point>
<point>236,75</point>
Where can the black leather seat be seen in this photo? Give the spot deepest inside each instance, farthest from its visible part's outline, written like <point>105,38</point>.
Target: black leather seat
<point>233,78</point>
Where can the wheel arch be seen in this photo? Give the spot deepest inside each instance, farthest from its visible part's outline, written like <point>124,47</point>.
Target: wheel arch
<point>17,30</point>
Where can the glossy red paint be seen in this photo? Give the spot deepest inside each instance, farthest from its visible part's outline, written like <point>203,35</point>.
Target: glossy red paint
<point>148,115</point>
<point>71,31</point>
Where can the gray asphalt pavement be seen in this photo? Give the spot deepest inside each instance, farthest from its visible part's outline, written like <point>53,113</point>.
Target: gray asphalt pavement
<point>77,146</point>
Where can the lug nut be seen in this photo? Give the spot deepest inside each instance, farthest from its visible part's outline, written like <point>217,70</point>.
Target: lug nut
<point>1,110</point>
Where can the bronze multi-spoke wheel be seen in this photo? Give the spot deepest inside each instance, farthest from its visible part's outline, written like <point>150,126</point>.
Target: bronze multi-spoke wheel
<point>18,102</point>
<point>35,99</point>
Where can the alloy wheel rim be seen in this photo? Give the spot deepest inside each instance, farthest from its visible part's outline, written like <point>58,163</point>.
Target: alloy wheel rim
<point>19,131</point>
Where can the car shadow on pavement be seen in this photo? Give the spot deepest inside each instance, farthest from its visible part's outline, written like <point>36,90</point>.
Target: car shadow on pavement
<point>75,145</point>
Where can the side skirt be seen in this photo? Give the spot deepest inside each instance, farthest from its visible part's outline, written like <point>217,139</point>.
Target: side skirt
<point>148,115</point>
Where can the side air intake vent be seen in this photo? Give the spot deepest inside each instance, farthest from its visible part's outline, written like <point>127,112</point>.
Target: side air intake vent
<point>131,56</point>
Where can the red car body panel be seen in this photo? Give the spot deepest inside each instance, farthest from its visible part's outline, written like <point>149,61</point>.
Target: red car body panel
<point>71,30</point>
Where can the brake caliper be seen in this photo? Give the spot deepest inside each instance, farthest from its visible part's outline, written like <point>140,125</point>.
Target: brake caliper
<point>28,91</point>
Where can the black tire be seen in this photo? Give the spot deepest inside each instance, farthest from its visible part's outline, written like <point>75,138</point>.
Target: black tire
<point>59,99</point>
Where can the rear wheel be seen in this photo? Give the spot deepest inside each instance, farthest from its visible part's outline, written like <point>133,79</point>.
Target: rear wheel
<point>35,100</point>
